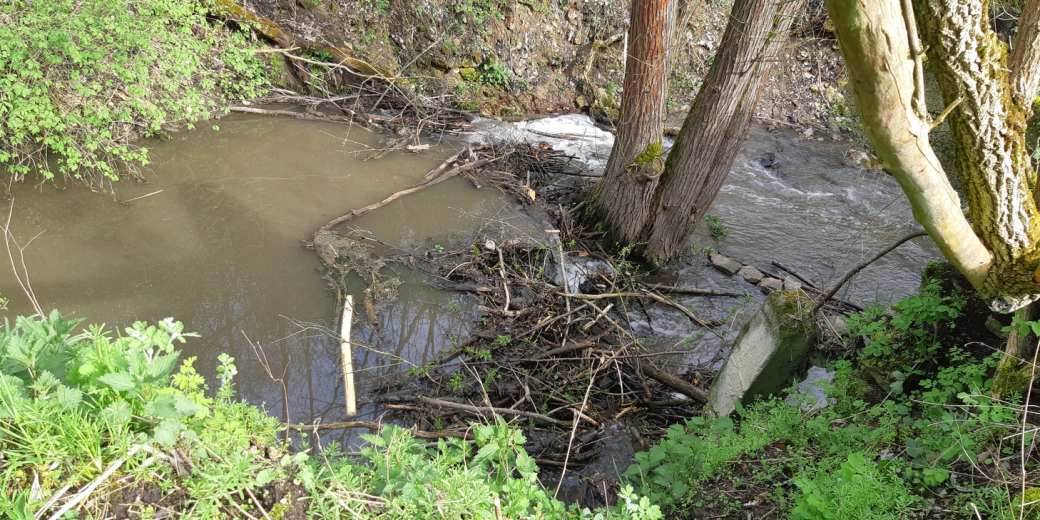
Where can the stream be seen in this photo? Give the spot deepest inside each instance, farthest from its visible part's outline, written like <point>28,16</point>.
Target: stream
<point>213,237</point>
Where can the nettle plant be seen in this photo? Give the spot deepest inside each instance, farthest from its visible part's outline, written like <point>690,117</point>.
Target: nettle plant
<point>123,380</point>
<point>81,79</point>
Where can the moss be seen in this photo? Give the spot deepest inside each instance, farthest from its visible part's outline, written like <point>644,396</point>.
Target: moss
<point>1011,378</point>
<point>652,152</point>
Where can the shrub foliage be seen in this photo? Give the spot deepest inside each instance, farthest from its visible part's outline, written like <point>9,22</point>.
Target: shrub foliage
<point>81,79</point>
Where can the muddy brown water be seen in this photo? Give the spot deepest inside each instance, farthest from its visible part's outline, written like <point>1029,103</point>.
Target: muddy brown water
<point>219,248</point>
<point>214,240</point>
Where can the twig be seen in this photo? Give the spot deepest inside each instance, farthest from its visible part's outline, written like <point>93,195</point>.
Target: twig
<point>691,291</point>
<point>574,430</point>
<point>946,112</point>
<point>146,195</point>
<point>855,270</point>
<point>261,358</point>
<point>373,426</point>
<point>653,296</point>
<point>793,273</point>
<point>407,191</point>
<point>347,357</point>
<point>24,284</point>
<point>1025,423</point>
<point>89,488</point>
<point>481,410</point>
<point>916,52</point>
<point>674,383</point>
<point>505,281</point>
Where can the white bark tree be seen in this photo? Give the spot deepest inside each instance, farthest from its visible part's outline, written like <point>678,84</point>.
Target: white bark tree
<point>988,93</point>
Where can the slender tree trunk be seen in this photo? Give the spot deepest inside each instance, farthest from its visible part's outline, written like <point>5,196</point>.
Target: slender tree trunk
<point>715,127</point>
<point>626,191</point>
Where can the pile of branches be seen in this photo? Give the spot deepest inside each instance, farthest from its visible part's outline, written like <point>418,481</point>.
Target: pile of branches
<point>332,83</point>
<point>559,362</point>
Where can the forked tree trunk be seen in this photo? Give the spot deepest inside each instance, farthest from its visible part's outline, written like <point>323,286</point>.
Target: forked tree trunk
<point>997,246</point>
<point>715,127</point>
<point>626,191</point>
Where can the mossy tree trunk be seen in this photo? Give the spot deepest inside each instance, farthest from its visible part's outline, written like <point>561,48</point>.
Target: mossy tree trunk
<point>626,191</point>
<point>989,99</point>
<point>654,201</point>
<point>712,133</point>
<point>715,128</point>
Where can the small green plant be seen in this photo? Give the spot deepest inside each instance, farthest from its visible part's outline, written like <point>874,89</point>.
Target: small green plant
<point>716,226</point>
<point>858,490</point>
<point>456,382</point>
<point>494,73</point>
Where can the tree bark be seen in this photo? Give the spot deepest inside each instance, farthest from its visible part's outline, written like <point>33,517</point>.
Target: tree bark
<point>873,39</point>
<point>714,129</point>
<point>988,128</point>
<point>625,192</point>
<point>1025,53</point>
<point>997,246</point>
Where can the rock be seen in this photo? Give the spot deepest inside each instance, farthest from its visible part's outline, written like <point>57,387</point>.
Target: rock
<point>770,284</point>
<point>859,159</point>
<point>768,160</point>
<point>725,264</point>
<point>808,133</point>
<point>837,325</point>
<point>767,353</point>
<point>995,327</point>
<point>580,270</point>
<point>792,284</point>
<point>811,395</point>
<point>750,274</point>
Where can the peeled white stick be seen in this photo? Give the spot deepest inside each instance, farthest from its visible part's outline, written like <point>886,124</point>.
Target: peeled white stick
<point>348,359</point>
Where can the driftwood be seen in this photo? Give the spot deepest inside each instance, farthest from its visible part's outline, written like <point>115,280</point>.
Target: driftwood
<point>289,113</point>
<point>347,356</point>
<point>444,175</point>
<point>674,383</point>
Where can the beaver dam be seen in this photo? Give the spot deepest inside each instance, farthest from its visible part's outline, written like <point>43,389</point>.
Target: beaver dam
<point>477,290</point>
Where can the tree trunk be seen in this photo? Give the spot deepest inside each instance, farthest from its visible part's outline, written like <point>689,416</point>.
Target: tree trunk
<point>874,41</point>
<point>988,127</point>
<point>715,127</point>
<point>625,193</point>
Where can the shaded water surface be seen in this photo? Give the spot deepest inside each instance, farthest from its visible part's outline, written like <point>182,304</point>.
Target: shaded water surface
<point>219,248</point>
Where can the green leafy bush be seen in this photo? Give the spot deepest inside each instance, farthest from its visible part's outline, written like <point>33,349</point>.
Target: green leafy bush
<point>908,412</point>
<point>72,404</point>
<point>81,79</point>
<point>858,490</point>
